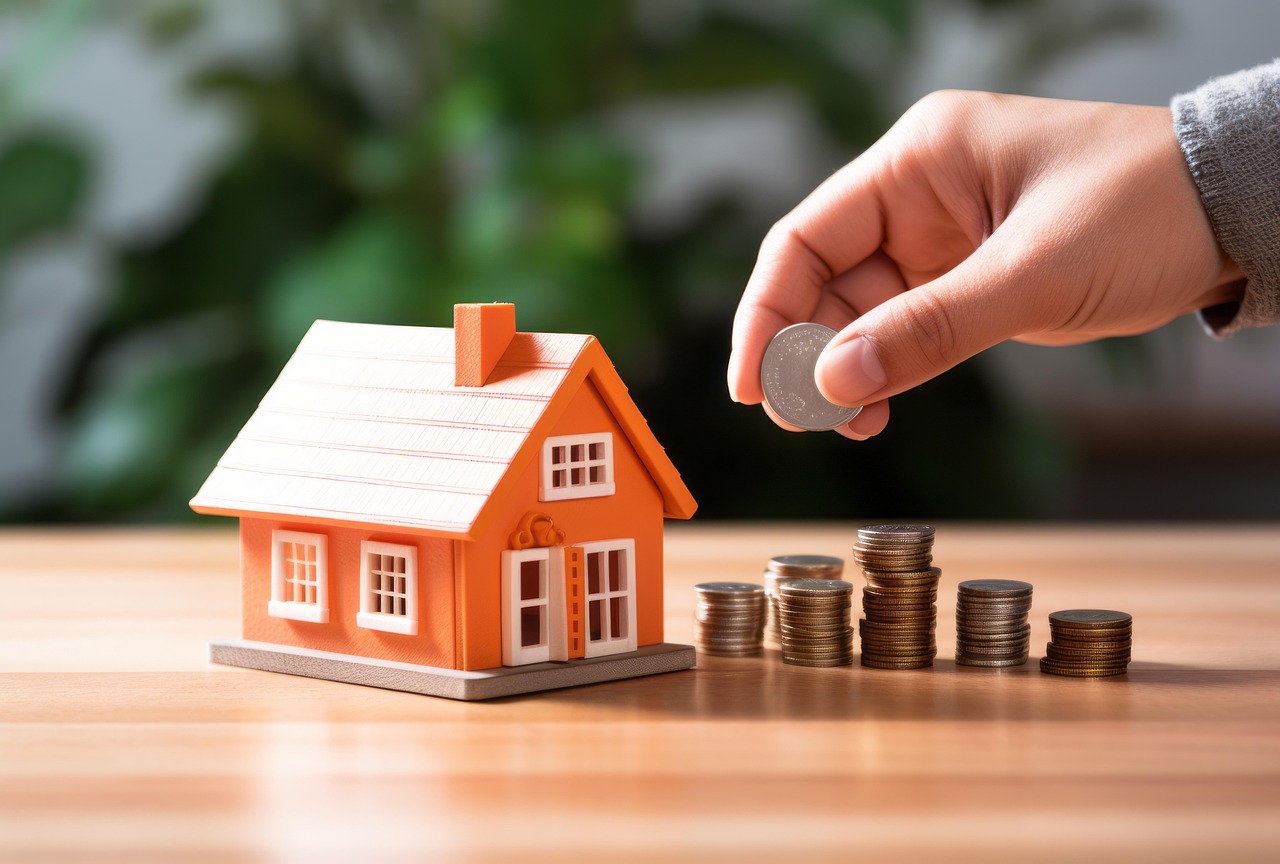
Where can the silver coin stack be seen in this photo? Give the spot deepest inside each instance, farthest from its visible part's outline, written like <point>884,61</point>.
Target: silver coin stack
<point>729,618</point>
<point>991,622</point>
<point>814,621</point>
<point>782,567</point>
<point>899,601</point>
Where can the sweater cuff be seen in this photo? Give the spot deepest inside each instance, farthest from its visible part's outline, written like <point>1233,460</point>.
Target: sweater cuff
<point>1229,130</point>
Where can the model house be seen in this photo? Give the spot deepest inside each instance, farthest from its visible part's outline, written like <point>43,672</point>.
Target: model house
<point>466,512</point>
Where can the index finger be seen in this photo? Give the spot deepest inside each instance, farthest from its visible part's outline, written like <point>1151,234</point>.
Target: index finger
<point>840,224</point>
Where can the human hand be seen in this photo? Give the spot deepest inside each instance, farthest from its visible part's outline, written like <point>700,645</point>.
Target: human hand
<point>979,218</point>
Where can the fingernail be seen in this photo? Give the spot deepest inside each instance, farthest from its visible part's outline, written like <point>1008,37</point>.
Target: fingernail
<point>850,372</point>
<point>732,376</point>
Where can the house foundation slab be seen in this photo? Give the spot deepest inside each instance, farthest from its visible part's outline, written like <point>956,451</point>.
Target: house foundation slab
<point>451,683</point>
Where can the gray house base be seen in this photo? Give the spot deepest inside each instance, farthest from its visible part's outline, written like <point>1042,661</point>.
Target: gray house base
<point>451,683</point>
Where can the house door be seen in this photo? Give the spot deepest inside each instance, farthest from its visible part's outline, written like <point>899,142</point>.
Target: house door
<point>610,596</point>
<point>566,602</point>
<point>528,577</point>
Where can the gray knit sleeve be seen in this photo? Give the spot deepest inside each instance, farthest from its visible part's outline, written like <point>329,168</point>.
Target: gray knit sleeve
<point>1229,130</point>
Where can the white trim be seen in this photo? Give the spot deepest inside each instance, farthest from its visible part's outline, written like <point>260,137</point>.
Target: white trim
<point>369,617</point>
<point>600,464</point>
<point>280,607</point>
<point>610,643</point>
<point>387,623</point>
<point>297,611</point>
<point>557,617</point>
<point>551,587</point>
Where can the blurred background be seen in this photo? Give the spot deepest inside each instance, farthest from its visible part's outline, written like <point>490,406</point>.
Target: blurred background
<point>185,186</point>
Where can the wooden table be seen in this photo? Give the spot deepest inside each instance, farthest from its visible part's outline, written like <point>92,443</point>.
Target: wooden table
<point>119,742</point>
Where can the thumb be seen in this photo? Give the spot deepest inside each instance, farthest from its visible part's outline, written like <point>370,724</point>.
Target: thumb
<point>922,332</point>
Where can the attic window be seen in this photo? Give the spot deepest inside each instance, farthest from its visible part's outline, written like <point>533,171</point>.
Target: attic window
<point>388,588</point>
<point>299,576</point>
<point>577,466</point>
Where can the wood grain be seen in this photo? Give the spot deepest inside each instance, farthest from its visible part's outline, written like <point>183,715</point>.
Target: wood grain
<point>118,742</point>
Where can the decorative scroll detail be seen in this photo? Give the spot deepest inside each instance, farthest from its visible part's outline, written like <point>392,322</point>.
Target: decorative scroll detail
<point>536,529</point>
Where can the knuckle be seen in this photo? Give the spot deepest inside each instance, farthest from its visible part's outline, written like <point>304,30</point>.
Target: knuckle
<point>779,237</point>
<point>932,339</point>
<point>785,244</point>
<point>948,115</point>
<point>940,102</point>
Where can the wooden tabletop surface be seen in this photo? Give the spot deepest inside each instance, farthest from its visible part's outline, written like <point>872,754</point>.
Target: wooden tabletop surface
<point>119,742</point>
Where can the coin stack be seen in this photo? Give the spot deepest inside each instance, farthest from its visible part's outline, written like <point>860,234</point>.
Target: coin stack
<point>814,622</point>
<point>1088,643</point>
<point>899,598</point>
<point>795,567</point>
<point>729,618</point>
<point>991,622</point>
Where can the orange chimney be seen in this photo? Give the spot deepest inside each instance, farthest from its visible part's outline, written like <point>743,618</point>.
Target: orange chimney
<point>481,334</point>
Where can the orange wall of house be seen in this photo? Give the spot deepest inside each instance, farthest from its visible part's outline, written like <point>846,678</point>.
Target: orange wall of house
<point>634,510</point>
<point>434,645</point>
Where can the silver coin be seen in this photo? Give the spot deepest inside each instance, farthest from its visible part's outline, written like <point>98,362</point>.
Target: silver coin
<point>901,533</point>
<point>819,587</point>
<point>794,566</point>
<point>995,588</point>
<point>787,376</point>
<point>1090,618</point>
<point>992,664</point>
<point>730,588</point>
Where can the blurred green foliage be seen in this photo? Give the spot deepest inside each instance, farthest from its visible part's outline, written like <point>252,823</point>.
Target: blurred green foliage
<point>404,156</point>
<point>48,173</point>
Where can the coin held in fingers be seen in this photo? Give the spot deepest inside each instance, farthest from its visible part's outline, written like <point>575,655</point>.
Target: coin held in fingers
<point>787,377</point>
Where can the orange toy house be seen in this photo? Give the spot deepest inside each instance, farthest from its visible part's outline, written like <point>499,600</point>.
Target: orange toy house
<point>468,513</point>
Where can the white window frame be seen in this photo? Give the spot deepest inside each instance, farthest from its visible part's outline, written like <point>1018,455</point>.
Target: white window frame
<point>609,644</point>
<point>552,560</point>
<point>278,606</point>
<point>548,491</point>
<point>368,617</point>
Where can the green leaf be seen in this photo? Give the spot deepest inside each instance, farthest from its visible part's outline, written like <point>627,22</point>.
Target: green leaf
<point>374,269</point>
<point>288,116</point>
<point>43,179</point>
<point>169,23</point>
<point>125,440</point>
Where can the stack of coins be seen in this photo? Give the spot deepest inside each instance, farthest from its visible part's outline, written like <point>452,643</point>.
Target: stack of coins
<point>795,567</point>
<point>899,598</point>
<point>991,622</point>
<point>814,622</point>
<point>1088,643</point>
<point>729,618</point>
